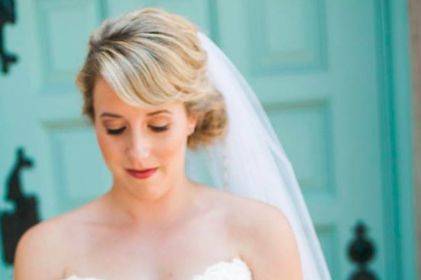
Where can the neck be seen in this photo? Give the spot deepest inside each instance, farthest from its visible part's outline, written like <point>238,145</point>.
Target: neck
<point>158,212</point>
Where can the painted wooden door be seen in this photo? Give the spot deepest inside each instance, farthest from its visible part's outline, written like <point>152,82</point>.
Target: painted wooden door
<point>314,65</point>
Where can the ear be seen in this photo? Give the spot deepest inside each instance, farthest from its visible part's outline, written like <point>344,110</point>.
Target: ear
<point>191,123</point>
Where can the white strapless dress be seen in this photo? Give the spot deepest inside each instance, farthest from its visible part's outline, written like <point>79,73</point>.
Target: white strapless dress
<point>236,269</point>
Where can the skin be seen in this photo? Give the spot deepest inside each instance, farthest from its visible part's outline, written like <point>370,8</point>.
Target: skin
<point>162,227</point>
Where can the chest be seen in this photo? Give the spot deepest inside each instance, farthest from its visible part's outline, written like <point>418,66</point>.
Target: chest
<point>179,254</point>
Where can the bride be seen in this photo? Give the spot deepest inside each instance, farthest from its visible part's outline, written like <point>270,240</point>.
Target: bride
<point>156,89</point>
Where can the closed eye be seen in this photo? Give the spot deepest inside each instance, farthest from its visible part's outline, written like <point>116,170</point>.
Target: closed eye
<point>120,130</point>
<point>159,128</point>
<point>116,131</point>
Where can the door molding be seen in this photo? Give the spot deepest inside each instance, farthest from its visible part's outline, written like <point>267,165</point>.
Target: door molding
<point>397,148</point>
<point>415,26</point>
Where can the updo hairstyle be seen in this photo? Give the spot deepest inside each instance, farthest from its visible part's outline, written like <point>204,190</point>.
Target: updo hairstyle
<point>151,57</point>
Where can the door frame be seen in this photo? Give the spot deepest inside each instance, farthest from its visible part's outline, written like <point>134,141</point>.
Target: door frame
<point>396,132</point>
<point>415,26</point>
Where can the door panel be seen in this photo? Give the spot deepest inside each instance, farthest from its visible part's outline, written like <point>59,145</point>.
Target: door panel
<point>313,65</point>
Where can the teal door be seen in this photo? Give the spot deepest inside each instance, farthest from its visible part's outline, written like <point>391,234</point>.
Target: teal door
<point>314,64</point>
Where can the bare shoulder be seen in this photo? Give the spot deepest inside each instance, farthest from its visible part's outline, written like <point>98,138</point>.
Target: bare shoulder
<point>247,215</point>
<point>43,242</point>
<point>265,237</point>
<point>45,248</point>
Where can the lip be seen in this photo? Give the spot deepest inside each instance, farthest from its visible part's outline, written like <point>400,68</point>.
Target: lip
<point>141,174</point>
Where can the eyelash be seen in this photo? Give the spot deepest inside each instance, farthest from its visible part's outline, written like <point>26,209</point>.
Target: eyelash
<point>120,130</point>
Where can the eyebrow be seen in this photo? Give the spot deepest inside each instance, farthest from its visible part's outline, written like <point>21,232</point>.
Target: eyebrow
<point>107,114</point>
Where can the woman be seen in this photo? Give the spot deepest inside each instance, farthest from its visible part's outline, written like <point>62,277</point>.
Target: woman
<point>148,92</point>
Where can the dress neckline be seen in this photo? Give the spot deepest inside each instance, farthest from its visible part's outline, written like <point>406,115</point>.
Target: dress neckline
<point>208,269</point>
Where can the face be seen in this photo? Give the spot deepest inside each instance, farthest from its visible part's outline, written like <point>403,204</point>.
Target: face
<point>136,138</point>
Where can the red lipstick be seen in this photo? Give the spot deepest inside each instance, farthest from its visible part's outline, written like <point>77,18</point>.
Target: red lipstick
<point>141,174</point>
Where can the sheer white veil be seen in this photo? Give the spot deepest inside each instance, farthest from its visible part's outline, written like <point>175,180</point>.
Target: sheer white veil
<point>251,162</point>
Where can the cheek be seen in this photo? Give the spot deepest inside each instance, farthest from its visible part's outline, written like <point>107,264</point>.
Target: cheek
<point>108,148</point>
<point>171,147</point>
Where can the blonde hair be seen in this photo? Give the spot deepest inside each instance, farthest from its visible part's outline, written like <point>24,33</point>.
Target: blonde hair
<point>151,57</point>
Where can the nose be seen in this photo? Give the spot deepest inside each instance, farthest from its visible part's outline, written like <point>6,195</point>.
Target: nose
<point>138,147</point>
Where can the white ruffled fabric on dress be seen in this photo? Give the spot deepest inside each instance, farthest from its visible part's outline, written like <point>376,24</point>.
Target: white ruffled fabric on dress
<point>74,277</point>
<point>233,270</point>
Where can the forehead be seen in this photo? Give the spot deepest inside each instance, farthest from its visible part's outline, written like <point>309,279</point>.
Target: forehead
<point>106,99</point>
